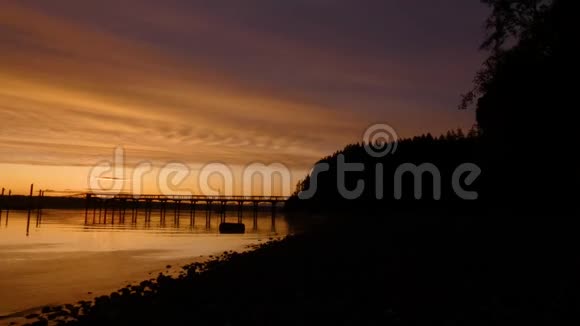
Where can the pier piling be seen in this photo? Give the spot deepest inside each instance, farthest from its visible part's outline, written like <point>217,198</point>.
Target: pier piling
<point>29,209</point>
<point>117,205</point>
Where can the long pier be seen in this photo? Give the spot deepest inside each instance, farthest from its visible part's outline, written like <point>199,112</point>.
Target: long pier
<point>104,208</point>
<point>119,207</point>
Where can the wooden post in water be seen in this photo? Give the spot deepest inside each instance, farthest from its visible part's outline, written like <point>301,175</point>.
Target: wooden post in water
<point>8,206</point>
<point>192,214</point>
<point>113,210</point>
<point>94,210</point>
<point>240,211</point>
<point>148,211</point>
<point>105,212</point>
<point>255,219</point>
<point>175,212</point>
<point>149,214</point>
<point>29,209</point>
<point>134,211</point>
<point>208,215</point>
<point>273,227</point>
<point>38,212</point>
<point>1,203</point>
<point>88,197</point>
<point>123,210</point>
<point>100,209</point>
<point>162,212</point>
<point>177,204</point>
<point>145,208</point>
<point>223,211</point>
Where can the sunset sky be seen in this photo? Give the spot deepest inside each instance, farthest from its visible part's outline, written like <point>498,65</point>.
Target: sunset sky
<point>235,82</point>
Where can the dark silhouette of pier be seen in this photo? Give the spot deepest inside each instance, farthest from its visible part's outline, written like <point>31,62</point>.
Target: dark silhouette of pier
<point>107,208</point>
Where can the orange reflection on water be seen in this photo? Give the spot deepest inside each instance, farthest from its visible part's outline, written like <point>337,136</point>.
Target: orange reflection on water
<point>62,258</point>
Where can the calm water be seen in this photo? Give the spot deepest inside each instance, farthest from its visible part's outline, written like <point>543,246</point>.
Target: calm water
<point>61,259</point>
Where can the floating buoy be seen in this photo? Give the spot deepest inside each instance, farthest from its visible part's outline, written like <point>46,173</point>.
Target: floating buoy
<point>232,228</point>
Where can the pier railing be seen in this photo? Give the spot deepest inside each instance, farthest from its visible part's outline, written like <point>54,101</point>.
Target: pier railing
<point>192,198</point>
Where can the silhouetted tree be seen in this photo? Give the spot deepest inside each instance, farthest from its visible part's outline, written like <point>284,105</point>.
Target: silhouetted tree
<point>525,119</point>
<point>524,102</point>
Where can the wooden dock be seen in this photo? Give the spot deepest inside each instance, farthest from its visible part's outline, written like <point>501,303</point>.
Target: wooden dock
<point>107,208</point>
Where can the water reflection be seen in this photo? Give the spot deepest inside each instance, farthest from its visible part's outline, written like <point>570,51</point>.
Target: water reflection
<point>184,236</point>
<point>198,222</point>
<point>54,256</point>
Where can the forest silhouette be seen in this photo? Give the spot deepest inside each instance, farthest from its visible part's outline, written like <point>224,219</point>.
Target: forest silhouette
<point>445,154</point>
<point>525,140</point>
